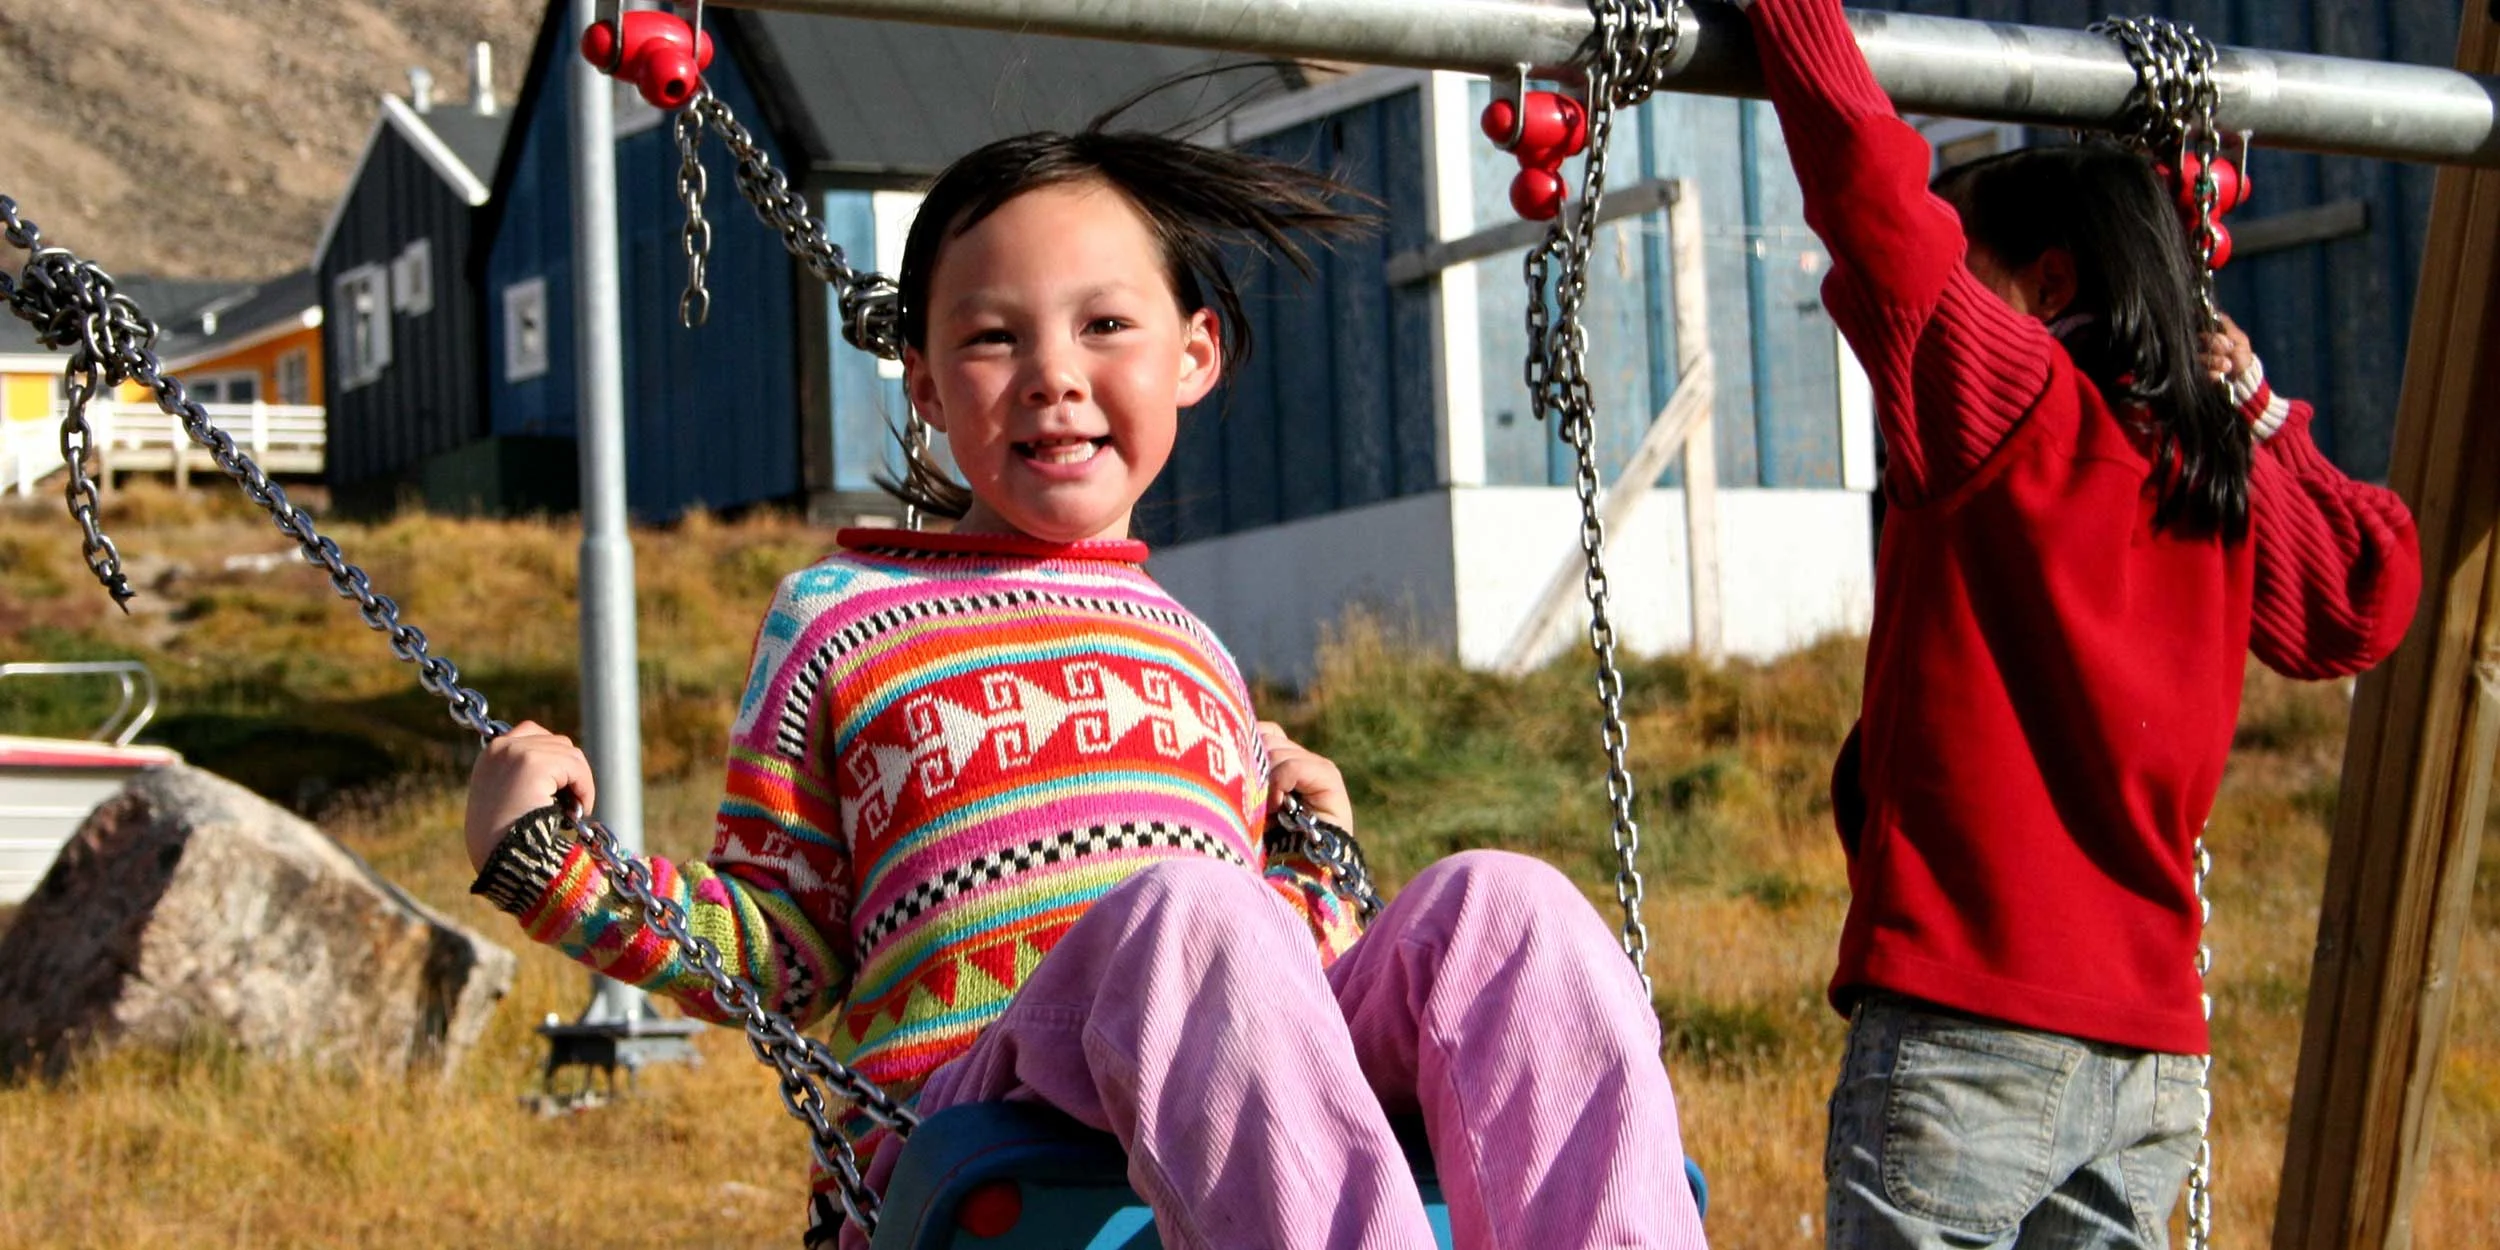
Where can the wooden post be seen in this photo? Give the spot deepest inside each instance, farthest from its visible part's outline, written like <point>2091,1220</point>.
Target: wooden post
<point>1683,424</point>
<point>2417,766</point>
<point>1701,448</point>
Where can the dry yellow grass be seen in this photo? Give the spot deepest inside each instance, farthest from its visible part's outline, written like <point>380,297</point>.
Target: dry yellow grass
<point>1746,891</point>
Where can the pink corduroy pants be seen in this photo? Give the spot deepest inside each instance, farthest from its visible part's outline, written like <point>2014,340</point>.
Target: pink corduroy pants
<point>1188,1015</point>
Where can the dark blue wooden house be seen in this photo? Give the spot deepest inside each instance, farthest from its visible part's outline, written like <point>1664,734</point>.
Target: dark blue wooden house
<point>403,377</point>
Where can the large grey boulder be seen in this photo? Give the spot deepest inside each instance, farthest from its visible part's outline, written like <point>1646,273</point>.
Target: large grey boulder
<point>189,909</point>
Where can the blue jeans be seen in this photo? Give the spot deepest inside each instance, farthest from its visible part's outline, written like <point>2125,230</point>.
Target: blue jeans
<point>1952,1131</point>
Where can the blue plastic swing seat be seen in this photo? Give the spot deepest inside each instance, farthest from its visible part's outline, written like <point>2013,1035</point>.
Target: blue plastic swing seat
<point>1021,1175</point>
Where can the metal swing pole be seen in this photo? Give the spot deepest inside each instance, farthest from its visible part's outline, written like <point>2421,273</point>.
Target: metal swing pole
<point>619,1028</point>
<point>1945,66</point>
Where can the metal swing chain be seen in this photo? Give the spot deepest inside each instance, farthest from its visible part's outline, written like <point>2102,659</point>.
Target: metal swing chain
<point>77,440</point>
<point>1335,850</point>
<point>1628,57</point>
<point>2173,114</point>
<point>871,319</point>
<point>694,307</point>
<point>72,304</point>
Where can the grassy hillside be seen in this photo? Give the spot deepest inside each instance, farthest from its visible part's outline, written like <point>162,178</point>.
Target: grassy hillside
<point>272,680</point>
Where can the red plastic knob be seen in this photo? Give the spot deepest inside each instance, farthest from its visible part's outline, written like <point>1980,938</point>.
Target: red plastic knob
<point>1556,127</point>
<point>662,55</point>
<point>1499,117</point>
<point>2222,247</point>
<point>991,1210</point>
<point>2230,189</point>
<point>667,76</point>
<point>1537,194</point>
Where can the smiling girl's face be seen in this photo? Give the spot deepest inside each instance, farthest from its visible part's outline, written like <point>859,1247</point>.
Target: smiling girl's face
<point>1056,361</point>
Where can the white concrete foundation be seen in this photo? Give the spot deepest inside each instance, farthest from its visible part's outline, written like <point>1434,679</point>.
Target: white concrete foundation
<point>1461,567</point>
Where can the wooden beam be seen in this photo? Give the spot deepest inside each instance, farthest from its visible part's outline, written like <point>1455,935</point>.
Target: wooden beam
<point>2417,765</point>
<point>1701,448</point>
<point>1416,264</point>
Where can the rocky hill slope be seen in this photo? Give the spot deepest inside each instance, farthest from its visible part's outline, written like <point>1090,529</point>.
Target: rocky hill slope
<point>209,138</point>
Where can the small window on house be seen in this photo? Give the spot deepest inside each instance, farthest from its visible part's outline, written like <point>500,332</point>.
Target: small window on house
<point>412,279</point>
<point>525,330</point>
<point>223,388</point>
<point>364,325</point>
<point>295,377</point>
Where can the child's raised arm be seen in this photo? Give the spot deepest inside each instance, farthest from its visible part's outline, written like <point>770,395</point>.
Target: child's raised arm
<point>2338,563</point>
<point>1954,368</point>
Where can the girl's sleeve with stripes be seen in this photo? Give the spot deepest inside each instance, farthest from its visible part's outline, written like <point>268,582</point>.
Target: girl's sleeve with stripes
<point>2339,565</point>
<point>1954,368</point>
<point>773,897</point>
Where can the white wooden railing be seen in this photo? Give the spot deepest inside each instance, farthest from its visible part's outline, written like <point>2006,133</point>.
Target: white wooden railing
<point>283,438</point>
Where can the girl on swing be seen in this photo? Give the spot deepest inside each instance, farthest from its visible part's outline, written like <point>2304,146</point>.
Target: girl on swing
<point>994,800</point>
<point>2096,512</point>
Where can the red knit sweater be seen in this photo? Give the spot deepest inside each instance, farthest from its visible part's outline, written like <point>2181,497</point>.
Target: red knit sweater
<point>2051,684</point>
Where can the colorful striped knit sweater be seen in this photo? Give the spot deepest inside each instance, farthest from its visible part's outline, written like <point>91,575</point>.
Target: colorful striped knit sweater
<point>948,747</point>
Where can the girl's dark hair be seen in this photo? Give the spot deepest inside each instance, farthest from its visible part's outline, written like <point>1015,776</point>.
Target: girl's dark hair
<point>2137,282</point>
<point>1196,199</point>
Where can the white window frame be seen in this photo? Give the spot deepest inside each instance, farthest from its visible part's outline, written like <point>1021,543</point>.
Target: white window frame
<point>364,325</point>
<point>523,302</point>
<point>294,371</point>
<point>412,278</point>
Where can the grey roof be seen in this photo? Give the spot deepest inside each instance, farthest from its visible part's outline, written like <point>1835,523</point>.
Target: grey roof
<point>477,139</point>
<point>238,314</point>
<point>169,302</point>
<point>892,99</point>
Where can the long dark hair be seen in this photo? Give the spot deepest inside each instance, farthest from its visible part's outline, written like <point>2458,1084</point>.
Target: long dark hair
<point>1196,199</point>
<point>2137,283</point>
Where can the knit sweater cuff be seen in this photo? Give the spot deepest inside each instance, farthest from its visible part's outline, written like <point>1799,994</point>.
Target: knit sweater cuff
<point>526,863</point>
<point>2265,411</point>
<point>1809,43</point>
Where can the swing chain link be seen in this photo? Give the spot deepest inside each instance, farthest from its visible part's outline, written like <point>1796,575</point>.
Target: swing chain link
<point>695,306</point>
<point>869,302</point>
<point>801,1061</point>
<point>1333,848</point>
<point>2172,115</point>
<point>1628,56</point>
<point>2200,1197</point>
<point>77,441</point>
<point>73,303</point>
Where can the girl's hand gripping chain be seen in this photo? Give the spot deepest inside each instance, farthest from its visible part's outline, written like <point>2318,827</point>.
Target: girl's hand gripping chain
<point>520,772</point>
<point>2227,354</point>
<point>1293,769</point>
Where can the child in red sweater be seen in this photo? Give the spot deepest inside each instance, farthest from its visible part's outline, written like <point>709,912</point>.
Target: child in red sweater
<point>2096,511</point>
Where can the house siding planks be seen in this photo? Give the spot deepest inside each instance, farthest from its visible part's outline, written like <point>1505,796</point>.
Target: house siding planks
<point>711,413</point>
<point>428,400</point>
<point>1335,409</point>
